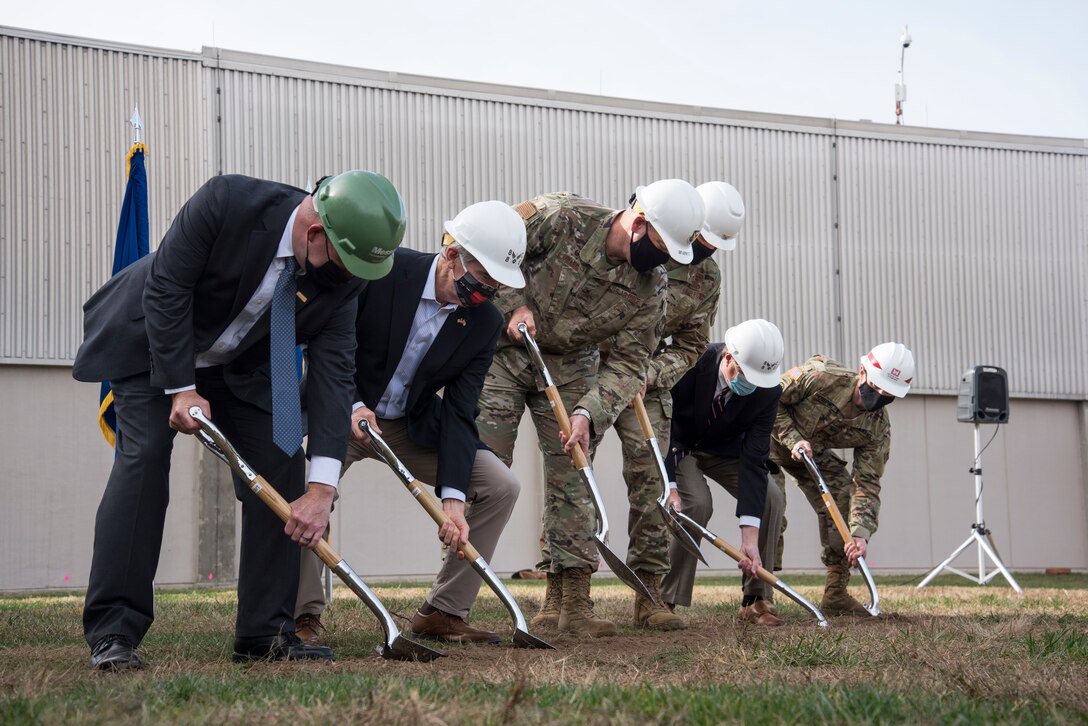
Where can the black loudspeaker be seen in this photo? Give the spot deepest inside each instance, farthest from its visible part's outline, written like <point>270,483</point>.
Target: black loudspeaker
<point>984,396</point>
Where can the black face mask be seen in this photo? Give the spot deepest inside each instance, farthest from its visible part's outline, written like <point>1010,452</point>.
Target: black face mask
<point>700,252</point>
<point>470,291</point>
<point>644,256</point>
<point>328,275</point>
<point>871,400</point>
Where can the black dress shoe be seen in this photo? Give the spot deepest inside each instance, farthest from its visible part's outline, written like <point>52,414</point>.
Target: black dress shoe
<point>115,653</point>
<point>281,647</point>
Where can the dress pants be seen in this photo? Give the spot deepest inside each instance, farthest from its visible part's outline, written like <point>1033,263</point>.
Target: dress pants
<point>696,503</point>
<point>493,492</point>
<point>129,524</point>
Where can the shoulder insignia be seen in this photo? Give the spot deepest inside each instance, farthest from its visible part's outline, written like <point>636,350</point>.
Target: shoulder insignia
<point>794,373</point>
<point>526,209</point>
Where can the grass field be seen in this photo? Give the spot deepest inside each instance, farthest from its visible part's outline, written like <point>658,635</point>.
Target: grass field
<point>951,653</point>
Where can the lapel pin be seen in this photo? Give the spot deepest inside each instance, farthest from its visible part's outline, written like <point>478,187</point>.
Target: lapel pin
<point>462,322</point>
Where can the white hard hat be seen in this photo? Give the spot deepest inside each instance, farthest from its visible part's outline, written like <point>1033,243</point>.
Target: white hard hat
<point>724,214</point>
<point>494,234</point>
<point>890,367</point>
<point>756,346</point>
<point>675,210</point>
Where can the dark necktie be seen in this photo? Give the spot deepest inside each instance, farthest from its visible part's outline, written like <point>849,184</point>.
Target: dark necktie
<point>718,405</point>
<point>286,411</point>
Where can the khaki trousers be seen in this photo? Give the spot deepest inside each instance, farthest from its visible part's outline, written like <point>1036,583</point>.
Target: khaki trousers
<point>493,491</point>
<point>696,502</point>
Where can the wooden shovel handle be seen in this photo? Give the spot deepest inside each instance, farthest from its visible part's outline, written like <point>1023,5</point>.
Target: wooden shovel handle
<point>576,453</point>
<point>429,503</point>
<point>836,517</point>
<point>737,555</point>
<point>643,418</point>
<point>279,505</point>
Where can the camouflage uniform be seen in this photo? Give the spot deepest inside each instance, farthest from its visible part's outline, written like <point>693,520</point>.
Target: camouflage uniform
<point>692,306</point>
<point>817,406</point>
<point>578,299</point>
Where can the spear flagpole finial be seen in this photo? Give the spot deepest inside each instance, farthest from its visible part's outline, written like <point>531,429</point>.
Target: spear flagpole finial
<point>137,125</point>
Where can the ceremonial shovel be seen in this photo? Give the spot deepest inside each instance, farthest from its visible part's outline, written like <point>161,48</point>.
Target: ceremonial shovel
<point>522,637</point>
<point>840,524</point>
<point>761,573</point>
<point>682,535</point>
<point>618,566</point>
<point>396,646</point>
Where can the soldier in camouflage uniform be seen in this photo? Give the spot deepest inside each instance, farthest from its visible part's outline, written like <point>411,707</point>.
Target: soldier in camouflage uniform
<point>693,292</point>
<point>826,406</point>
<point>592,274</point>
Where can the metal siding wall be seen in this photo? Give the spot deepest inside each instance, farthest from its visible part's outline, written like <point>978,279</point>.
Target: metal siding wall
<point>969,255</point>
<point>64,137</point>
<point>968,251</point>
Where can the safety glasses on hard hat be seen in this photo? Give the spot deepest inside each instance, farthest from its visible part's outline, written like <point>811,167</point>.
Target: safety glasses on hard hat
<point>478,285</point>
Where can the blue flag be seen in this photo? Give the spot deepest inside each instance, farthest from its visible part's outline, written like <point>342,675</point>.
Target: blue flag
<point>131,245</point>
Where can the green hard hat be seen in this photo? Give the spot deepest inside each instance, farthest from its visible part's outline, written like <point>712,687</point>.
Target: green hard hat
<point>363,216</point>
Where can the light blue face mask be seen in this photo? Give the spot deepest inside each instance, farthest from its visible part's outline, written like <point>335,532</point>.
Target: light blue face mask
<point>741,385</point>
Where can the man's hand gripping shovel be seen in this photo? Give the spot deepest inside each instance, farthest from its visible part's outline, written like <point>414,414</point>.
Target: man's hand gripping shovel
<point>396,646</point>
<point>682,535</point>
<point>840,524</point>
<point>679,518</point>
<point>763,574</point>
<point>618,566</point>
<point>522,638</point>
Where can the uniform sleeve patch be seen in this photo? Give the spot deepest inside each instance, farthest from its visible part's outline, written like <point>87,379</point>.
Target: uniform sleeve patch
<point>526,209</point>
<point>794,373</point>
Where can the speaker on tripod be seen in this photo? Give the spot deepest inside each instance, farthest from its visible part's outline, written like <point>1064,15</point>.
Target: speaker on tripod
<point>984,396</point>
<point>983,399</point>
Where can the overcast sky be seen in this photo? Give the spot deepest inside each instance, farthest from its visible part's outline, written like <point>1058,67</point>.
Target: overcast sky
<point>1003,66</point>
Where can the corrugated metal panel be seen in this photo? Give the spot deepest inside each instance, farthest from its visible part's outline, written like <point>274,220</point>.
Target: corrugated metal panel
<point>969,255</point>
<point>967,246</point>
<point>63,140</point>
<point>444,152</point>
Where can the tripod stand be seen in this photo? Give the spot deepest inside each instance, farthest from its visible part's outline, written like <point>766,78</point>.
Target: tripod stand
<point>979,535</point>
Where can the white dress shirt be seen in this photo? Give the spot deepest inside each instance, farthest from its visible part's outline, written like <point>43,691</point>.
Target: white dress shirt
<point>323,469</point>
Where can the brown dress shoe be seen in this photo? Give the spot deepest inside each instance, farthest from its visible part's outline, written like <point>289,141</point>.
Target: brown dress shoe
<point>308,628</point>
<point>450,628</point>
<point>761,612</point>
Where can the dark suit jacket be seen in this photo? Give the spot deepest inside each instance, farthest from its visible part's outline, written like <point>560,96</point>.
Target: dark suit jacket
<point>742,431</point>
<point>159,313</point>
<point>456,362</point>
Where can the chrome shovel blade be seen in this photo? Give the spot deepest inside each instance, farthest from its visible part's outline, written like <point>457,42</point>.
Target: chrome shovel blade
<point>396,646</point>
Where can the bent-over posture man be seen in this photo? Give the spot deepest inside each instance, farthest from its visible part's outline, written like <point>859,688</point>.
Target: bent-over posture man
<point>248,269</point>
<point>723,411</point>
<point>591,273</point>
<point>429,326</point>
<point>693,292</point>
<point>827,406</point>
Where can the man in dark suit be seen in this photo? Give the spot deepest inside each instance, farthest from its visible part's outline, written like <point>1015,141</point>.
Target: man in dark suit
<point>430,326</point>
<point>248,269</point>
<point>723,412</point>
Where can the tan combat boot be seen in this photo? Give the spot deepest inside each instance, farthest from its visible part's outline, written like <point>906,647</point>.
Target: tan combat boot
<point>576,615</point>
<point>548,617</point>
<point>653,613</point>
<point>836,600</point>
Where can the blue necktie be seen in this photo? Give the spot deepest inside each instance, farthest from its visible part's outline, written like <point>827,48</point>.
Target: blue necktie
<point>286,411</point>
